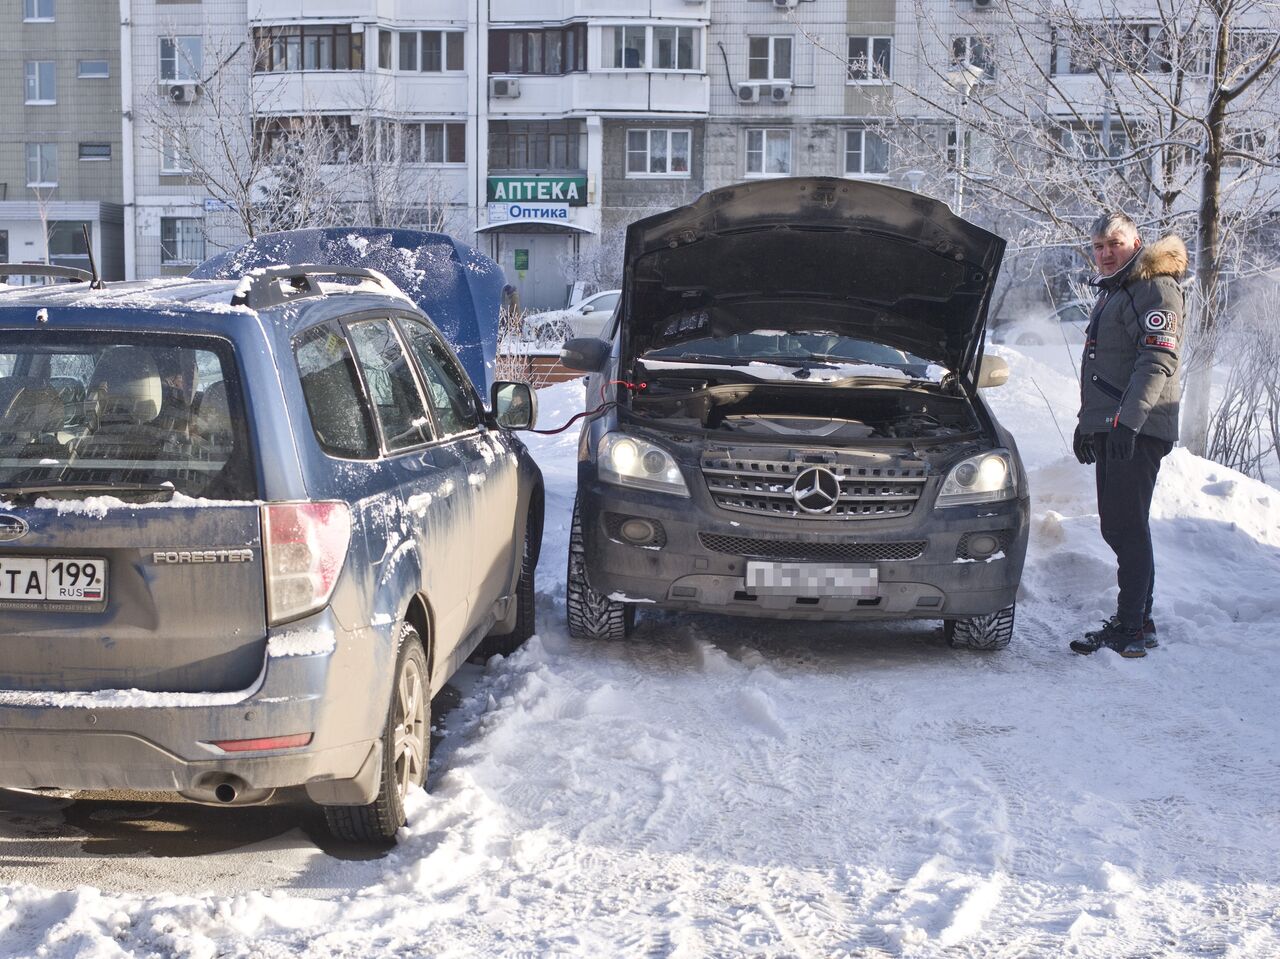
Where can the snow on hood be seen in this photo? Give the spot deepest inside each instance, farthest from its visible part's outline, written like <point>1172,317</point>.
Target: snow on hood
<point>890,265</point>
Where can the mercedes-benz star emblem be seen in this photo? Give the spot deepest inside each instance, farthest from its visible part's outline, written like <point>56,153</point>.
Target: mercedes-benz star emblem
<point>11,527</point>
<point>816,490</point>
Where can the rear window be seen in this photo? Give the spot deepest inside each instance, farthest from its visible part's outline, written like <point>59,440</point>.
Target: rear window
<point>82,411</point>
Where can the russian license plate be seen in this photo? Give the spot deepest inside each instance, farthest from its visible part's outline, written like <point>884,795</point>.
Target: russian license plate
<point>52,579</point>
<point>812,579</point>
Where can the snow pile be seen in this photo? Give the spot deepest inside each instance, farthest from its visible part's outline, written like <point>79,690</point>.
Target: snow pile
<point>736,787</point>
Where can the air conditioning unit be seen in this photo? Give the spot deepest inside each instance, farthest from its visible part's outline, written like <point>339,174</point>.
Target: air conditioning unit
<point>179,91</point>
<point>780,93</point>
<point>786,4</point>
<point>748,93</point>
<point>504,88</point>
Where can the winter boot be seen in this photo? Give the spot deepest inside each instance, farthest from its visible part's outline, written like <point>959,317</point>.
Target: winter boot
<point>1131,644</point>
<point>1149,633</point>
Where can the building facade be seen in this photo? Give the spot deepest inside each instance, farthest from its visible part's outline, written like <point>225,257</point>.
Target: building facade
<point>61,163</point>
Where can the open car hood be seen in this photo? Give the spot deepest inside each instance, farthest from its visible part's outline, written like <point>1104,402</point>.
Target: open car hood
<point>854,258</point>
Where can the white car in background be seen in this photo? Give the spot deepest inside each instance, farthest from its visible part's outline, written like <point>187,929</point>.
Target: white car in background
<point>1066,324</point>
<point>588,317</point>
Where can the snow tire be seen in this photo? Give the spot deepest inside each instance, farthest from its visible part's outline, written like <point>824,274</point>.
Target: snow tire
<point>406,748</point>
<point>591,614</point>
<point>993,631</point>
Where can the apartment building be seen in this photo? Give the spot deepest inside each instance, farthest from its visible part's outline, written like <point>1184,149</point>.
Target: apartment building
<point>61,163</point>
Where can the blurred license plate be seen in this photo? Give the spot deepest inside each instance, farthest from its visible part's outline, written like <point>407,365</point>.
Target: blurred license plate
<point>52,579</point>
<point>812,579</point>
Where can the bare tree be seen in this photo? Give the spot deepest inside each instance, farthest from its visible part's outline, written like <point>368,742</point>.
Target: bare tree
<point>1042,113</point>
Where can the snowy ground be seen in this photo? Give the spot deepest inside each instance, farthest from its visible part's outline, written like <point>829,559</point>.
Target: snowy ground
<point>725,787</point>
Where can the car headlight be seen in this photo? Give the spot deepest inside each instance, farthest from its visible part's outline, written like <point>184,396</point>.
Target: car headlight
<point>630,461</point>
<point>985,478</point>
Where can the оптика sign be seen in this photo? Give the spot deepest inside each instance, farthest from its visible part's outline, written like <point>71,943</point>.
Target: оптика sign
<point>539,189</point>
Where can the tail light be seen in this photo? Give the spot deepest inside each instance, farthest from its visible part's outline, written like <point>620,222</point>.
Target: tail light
<point>304,546</point>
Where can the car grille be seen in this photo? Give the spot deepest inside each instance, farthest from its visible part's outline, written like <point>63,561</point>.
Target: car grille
<point>749,484</point>
<point>790,549</point>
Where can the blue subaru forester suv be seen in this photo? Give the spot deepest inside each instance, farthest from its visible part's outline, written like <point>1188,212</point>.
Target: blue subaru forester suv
<point>247,530</point>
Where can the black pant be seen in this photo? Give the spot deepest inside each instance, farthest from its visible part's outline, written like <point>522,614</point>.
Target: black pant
<point>1124,506</point>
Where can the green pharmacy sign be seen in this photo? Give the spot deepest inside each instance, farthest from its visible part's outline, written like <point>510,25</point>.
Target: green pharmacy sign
<point>540,189</point>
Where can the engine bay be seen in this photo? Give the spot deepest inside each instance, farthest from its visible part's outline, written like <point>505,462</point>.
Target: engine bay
<point>843,415</point>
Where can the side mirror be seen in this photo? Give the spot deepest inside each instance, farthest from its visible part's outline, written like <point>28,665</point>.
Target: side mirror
<point>994,371</point>
<point>587,309</point>
<point>515,405</point>
<point>585,353</point>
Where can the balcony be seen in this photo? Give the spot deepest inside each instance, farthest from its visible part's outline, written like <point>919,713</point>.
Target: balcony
<point>356,92</point>
<point>385,11</point>
<point>553,11</point>
<point>612,92</point>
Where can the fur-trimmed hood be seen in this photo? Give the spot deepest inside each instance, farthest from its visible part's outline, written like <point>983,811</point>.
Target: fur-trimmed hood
<point>1165,257</point>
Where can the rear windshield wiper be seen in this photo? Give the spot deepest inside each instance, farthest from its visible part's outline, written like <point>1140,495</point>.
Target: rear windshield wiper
<point>143,492</point>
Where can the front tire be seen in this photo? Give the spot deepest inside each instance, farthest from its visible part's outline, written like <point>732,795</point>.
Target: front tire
<point>591,614</point>
<point>993,631</point>
<point>406,747</point>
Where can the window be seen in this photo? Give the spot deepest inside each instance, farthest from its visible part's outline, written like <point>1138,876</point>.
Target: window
<point>866,153</point>
<point>658,153</point>
<point>390,385</point>
<point>1252,143</point>
<point>1089,142</point>
<point>95,151</point>
<point>769,58</point>
<point>40,81</point>
<point>334,134</point>
<point>768,152</point>
<point>37,9</point>
<point>181,239</point>
<point>408,51</point>
<point>448,389</point>
<point>42,164</point>
<point>870,59</point>
<point>541,145</point>
<point>433,142</point>
<point>173,159</point>
<point>339,416</point>
<point>93,70</point>
<point>978,151</point>
<point>625,47</point>
<point>4,246</point>
<point>975,50</point>
<point>432,51</point>
<point>384,49</point>
<point>311,47</point>
<point>67,246</point>
<point>1128,47</point>
<point>675,48</point>
<point>180,58</point>
<point>553,50</point>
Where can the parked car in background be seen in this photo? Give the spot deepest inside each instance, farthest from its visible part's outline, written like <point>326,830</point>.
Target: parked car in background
<point>247,529</point>
<point>795,441</point>
<point>588,318</point>
<point>1066,324</point>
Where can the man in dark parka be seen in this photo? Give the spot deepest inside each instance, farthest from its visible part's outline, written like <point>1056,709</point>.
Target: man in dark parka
<point>1129,410</point>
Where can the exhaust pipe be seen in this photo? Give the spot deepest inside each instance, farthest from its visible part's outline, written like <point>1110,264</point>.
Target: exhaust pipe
<point>225,789</point>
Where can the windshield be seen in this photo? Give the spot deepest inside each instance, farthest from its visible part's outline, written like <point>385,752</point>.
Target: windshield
<point>816,350</point>
<point>97,412</point>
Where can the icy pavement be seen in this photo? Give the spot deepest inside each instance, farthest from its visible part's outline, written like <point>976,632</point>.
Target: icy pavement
<point>724,787</point>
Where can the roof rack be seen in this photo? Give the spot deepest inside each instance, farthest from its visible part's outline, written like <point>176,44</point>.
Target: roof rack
<point>46,269</point>
<point>270,286</point>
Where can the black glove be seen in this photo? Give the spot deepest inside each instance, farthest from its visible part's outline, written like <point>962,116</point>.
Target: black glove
<point>1082,445</point>
<point>1120,442</point>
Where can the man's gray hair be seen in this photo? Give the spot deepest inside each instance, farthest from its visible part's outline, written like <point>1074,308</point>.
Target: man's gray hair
<point>1110,222</point>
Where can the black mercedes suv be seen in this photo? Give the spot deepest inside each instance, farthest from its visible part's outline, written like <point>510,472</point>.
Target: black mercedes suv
<point>798,430</point>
